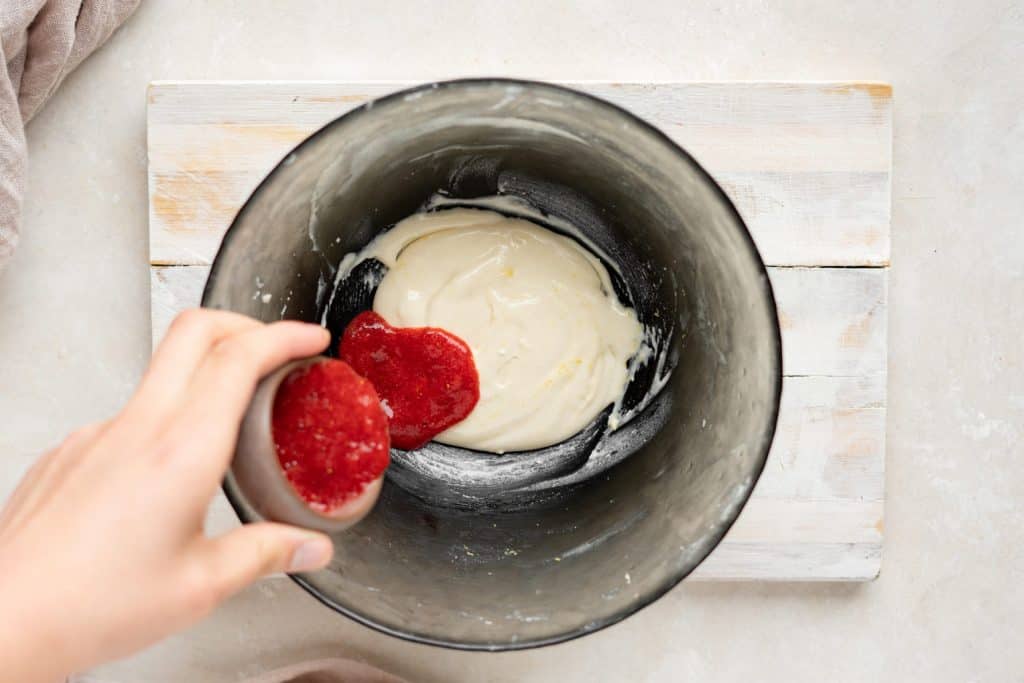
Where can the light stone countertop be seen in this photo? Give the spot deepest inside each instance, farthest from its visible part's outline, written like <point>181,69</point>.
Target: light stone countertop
<point>949,606</point>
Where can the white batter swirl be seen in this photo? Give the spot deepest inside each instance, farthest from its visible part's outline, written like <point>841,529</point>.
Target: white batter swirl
<point>550,339</point>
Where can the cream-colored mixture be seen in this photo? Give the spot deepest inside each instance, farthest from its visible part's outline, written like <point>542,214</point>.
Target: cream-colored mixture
<point>550,339</point>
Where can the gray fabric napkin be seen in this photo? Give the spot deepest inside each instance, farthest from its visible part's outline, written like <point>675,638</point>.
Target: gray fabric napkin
<point>42,42</point>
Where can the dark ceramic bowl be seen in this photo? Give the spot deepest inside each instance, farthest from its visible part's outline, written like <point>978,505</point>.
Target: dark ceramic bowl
<point>549,552</point>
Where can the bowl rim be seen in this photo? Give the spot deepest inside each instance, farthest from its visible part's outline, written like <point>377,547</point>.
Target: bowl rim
<point>670,581</point>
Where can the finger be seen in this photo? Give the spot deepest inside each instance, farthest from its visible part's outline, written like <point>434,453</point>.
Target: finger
<point>28,491</point>
<point>190,337</point>
<point>244,358</point>
<point>84,436</point>
<point>224,384</point>
<point>242,556</point>
<point>74,444</point>
<point>39,482</point>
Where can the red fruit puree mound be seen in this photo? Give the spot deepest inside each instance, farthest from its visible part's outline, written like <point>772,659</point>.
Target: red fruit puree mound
<point>330,433</point>
<point>425,375</point>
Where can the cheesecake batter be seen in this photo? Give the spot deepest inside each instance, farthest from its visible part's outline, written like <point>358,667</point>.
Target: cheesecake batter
<point>549,337</point>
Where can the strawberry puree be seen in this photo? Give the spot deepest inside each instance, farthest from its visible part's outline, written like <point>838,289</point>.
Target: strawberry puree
<point>330,433</point>
<point>425,376</point>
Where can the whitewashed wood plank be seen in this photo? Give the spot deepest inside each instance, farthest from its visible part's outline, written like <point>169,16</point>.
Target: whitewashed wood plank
<point>712,102</point>
<point>795,539</point>
<point>807,164</point>
<point>833,319</point>
<point>243,149</point>
<point>791,562</point>
<point>743,103</point>
<point>784,521</point>
<point>174,288</point>
<point>830,440</point>
<point>820,218</point>
<point>307,103</point>
<point>186,205</point>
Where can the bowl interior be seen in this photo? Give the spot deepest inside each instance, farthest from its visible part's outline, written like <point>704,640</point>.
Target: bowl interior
<point>590,543</point>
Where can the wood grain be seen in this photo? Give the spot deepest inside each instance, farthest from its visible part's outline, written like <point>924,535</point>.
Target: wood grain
<point>833,319</point>
<point>808,165</point>
<point>795,561</point>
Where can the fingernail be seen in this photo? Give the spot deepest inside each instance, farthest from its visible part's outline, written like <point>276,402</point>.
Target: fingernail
<point>312,554</point>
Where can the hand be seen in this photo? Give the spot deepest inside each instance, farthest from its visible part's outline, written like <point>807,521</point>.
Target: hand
<point>102,549</point>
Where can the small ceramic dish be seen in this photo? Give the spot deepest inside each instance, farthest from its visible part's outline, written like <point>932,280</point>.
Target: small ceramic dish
<point>258,475</point>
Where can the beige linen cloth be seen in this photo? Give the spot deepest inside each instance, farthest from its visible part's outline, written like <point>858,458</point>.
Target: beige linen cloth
<point>42,42</point>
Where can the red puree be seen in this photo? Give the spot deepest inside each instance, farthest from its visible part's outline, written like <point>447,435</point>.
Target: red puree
<point>330,432</point>
<point>425,375</point>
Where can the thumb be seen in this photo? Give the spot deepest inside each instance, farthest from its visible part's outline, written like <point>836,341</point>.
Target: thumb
<point>242,556</point>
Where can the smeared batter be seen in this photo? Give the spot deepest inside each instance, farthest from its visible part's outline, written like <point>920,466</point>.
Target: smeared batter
<point>550,339</point>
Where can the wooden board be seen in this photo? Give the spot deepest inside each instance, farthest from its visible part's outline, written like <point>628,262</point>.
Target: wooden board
<point>808,166</point>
